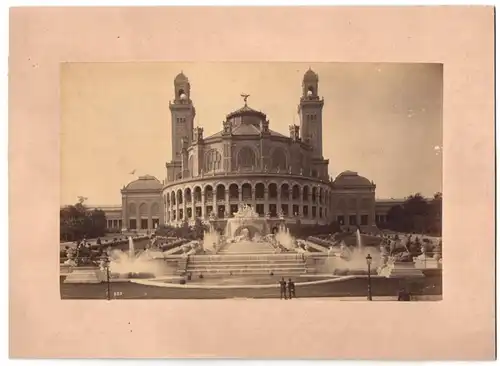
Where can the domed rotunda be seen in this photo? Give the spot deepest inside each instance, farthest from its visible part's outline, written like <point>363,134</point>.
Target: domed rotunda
<point>248,163</point>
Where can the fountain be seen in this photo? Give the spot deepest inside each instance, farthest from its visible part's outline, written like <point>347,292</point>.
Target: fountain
<point>246,218</point>
<point>399,264</point>
<point>350,260</point>
<point>358,240</point>
<point>132,264</point>
<point>212,241</point>
<point>248,221</point>
<point>131,249</point>
<point>284,237</point>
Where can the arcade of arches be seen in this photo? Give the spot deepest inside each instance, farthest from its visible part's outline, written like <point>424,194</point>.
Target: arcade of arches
<point>142,215</point>
<point>293,200</point>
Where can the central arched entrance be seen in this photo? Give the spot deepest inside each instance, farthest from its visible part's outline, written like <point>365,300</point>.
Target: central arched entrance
<point>252,231</point>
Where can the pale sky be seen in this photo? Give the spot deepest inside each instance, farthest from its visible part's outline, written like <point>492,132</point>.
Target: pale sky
<point>383,121</point>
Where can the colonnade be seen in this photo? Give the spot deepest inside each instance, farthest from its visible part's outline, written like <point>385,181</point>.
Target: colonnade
<point>292,200</point>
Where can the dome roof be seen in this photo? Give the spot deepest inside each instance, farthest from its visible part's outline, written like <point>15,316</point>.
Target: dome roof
<point>246,130</point>
<point>349,178</point>
<point>145,182</point>
<point>245,111</point>
<point>310,75</point>
<point>181,78</point>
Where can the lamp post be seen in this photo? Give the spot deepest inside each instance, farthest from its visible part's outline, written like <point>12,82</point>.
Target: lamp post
<point>369,262</point>
<point>105,264</point>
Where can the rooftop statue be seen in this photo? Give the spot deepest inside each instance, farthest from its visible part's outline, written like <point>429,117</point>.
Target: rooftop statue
<point>246,211</point>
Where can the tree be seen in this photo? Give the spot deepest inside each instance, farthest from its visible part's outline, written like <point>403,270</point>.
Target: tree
<point>435,214</point>
<point>416,214</point>
<point>166,230</point>
<point>198,229</point>
<point>396,218</point>
<point>184,230</point>
<point>77,222</point>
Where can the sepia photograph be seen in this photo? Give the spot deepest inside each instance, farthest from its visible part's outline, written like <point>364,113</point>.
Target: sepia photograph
<point>276,189</point>
<point>219,180</point>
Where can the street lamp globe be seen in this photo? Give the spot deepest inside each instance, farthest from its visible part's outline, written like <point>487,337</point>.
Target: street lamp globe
<point>369,259</point>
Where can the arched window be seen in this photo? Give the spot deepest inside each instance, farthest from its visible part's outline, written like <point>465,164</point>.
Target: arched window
<point>132,209</point>
<point>233,191</point>
<point>259,191</point>
<point>285,192</point>
<point>305,194</point>
<point>246,191</point>
<point>295,192</point>
<point>273,190</point>
<point>352,203</point>
<point>197,194</point>
<point>155,209</point>
<point>365,203</point>
<point>190,165</point>
<point>179,197</point>
<point>246,158</point>
<point>143,209</point>
<point>314,194</point>
<point>209,192</point>
<point>187,195</point>
<point>278,159</point>
<point>341,204</point>
<point>213,160</point>
<point>221,192</point>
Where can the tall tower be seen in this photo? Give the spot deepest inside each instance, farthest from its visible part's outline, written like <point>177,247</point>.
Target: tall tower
<point>183,113</point>
<point>311,114</point>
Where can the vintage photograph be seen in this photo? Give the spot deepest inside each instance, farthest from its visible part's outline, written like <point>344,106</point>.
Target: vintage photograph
<point>214,180</point>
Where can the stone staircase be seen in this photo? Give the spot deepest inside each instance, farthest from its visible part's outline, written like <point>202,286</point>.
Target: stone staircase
<point>283,264</point>
<point>247,247</point>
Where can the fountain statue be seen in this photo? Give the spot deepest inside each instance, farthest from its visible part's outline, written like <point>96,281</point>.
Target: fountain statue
<point>246,211</point>
<point>384,254</point>
<point>245,235</point>
<point>345,252</point>
<point>70,254</point>
<point>246,217</point>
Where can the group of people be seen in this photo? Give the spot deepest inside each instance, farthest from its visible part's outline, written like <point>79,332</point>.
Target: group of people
<point>287,289</point>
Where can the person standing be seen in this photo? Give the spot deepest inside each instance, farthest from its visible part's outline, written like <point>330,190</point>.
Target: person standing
<point>404,295</point>
<point>282,288</point>
<point>291,289</point>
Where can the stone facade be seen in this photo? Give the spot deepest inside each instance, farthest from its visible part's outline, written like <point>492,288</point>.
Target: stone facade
<point>142,204</point>
<point>247,162</point>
